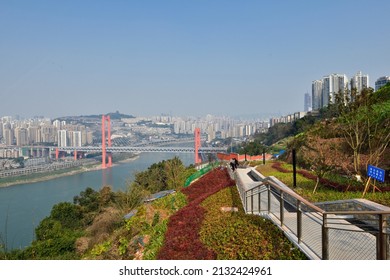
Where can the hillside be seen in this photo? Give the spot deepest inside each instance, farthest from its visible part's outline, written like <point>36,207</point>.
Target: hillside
<point>188,224</point>
<point>344,138</point>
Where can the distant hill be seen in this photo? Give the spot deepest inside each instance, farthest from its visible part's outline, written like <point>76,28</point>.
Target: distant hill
<point>114,116</point>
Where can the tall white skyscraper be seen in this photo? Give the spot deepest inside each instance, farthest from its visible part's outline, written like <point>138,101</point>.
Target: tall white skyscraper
<point>57,124</point>
<point>21,136</point>
<point>8,136</point>
<point>62,138</point>
<point>359,82</point>
<point>307,103</point>
<point>316,94</point>
<point>75,137</point>
<point>332,85</point>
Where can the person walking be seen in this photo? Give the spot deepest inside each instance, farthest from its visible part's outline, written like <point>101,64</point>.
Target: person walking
<point>232,165</point>
<point>235,163</point>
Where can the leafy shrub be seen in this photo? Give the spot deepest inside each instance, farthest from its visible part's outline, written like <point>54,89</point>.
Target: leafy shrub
<point>123,244</point>
<point>171,203</point>
<point>156,219</point>
<point>58,244</point>
<point>68,214</point>
<point>238,236</point>
<point>182,237</point>
<point>88,200</point>
<point>99,249</point>
<point>156,240</point>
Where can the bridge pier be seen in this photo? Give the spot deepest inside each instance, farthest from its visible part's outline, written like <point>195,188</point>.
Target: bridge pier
<point>104,149</point>
<point>197,145</point>
<point>109,159</point>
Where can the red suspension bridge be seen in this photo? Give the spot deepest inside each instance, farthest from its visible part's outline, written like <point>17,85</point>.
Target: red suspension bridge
<point>107,149</point>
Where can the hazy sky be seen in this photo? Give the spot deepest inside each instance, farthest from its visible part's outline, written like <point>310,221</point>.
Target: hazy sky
<point>183,57</point>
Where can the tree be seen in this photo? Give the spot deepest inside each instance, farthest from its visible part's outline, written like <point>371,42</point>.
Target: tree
<point>175,172</point>
<point>278,132</point>
<point>53,241</point>
<point>252,148</point>
<point>88,200</point>
<point>318,154</point>
<point>133,197</point>
<point>365,125</point>
<point>48,228</point>
<point>68,214</point>
<point>106,196</point>
<point>378,132</point>
<point>153,179</point>
<point>56,234</point>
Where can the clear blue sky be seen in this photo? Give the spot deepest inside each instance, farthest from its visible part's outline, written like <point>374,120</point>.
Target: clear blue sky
<point>184,57</point>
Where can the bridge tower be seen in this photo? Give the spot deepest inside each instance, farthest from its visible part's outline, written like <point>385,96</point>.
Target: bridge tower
<point>104,148</point>
<point>197,145</point>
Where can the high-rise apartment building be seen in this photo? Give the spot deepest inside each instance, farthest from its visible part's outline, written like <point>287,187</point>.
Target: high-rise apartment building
<point>332,85</point>
<point>34,134</point>
<point>49,133</point>
<point>21,136</point>
<point>8,136</point>
<point>57,124</point>
<point>359,82</point>
<point>75,138</point>
<point>316,94</point>
<point>307,102</point>
<point>62,138</point>
<point>380,82</point>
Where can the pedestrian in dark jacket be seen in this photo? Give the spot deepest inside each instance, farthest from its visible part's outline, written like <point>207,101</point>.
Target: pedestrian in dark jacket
<point>235,163</point>
<point>232,165</point>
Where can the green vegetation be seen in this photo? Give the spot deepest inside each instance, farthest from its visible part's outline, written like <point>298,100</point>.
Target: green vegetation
<point>342,140</point>
<point>305,186</point>
<point>93,225</point>
<point>331,149</point>
<point>252,148</point>
<point>234,235</point>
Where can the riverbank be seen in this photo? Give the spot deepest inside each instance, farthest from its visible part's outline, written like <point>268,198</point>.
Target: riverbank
<point>40,177</point>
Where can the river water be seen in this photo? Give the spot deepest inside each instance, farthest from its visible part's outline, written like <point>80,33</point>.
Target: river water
<point>23,206</point>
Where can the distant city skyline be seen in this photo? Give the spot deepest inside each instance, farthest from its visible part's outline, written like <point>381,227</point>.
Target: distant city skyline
<point>183,58</point>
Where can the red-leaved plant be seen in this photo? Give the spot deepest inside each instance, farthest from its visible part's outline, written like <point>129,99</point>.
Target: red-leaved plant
<point>182,237</point>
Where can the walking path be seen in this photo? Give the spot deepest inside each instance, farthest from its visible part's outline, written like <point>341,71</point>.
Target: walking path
<point>346,240</point>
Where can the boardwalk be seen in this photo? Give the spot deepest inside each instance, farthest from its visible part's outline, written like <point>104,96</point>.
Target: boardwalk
<point>344,240</point>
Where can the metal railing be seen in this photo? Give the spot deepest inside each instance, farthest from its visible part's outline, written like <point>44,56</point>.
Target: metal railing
<point>320,234</point>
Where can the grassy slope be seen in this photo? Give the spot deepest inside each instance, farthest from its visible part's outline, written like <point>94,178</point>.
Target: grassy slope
<point>234,235</point>
<point>227,235</point>
<point>305,188</point>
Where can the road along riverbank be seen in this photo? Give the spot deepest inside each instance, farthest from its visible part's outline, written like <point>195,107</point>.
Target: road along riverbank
<point>46,176</point>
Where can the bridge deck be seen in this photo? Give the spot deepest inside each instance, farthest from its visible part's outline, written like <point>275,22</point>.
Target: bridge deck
<point>144,149</point>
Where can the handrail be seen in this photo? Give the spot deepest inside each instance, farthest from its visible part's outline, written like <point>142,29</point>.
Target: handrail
<point>374,212</point>
<point>320,234</point>
<point>295,195</point>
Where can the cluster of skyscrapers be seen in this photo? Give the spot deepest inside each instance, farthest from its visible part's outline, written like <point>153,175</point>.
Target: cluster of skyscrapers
<point>40,130</point>
<point>219,127</point>
<point>324,90</point>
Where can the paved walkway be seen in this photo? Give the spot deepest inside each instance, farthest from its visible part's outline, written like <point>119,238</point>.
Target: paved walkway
<point>346,241</point>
